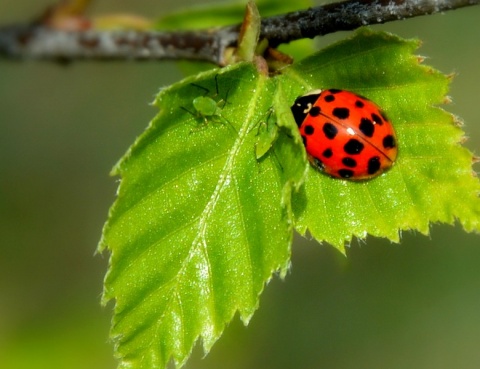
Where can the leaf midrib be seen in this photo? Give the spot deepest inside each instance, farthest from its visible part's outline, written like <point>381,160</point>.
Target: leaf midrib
<point>225,173</point>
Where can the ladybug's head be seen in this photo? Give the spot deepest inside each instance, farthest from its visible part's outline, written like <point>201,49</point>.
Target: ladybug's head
<point>303,104</point>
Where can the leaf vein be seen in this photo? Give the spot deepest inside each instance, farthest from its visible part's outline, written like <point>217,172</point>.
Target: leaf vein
<point>171,181</point>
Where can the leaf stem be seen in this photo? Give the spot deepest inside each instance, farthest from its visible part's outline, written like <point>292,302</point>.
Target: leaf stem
<point>39,41</point>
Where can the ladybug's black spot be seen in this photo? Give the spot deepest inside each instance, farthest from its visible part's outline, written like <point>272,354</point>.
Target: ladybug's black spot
<point>376,119</point>
<point>330,130</point>
<point>334,90</point>
<point>341,113</point>
<point>366,127</point>
<point>302,106</point>
<point>353,147</point>
<point>389,142</point>
<point>349,162</point>
<point>315,111</point>
<point>345,173</point>
<point>373,165</point>
<point>359,104</point>
<point>329,98</point>
<point>327,153</point>
<point>309,130</point>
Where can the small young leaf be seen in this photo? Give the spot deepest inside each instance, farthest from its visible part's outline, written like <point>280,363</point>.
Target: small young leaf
<point>431,180</point>
<point>205,15</point>
<point>249,33</point>
<point>199,224</point>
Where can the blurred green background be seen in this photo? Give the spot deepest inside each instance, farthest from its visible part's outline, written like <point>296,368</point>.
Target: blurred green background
<point>414,305</point>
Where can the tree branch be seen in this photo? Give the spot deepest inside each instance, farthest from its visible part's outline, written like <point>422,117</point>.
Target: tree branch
<point>349,15</point>
<point>38,41</point>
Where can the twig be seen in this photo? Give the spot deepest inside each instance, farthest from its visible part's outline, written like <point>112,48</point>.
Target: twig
<point>37,41</point>
<point>349,15</point>
<point>40,42</point>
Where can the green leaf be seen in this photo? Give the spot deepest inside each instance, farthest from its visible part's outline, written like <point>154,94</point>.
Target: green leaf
<point>199,224</point>
<point>210,192</point>
<point>431,180</point>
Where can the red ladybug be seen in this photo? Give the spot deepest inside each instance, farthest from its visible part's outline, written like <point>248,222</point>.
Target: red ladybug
<point>346,135</point>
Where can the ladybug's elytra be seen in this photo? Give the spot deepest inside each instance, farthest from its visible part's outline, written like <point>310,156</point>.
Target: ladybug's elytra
<point>345,135</point>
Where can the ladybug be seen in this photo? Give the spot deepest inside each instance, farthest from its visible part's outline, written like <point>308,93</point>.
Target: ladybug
<point>345,135</point>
